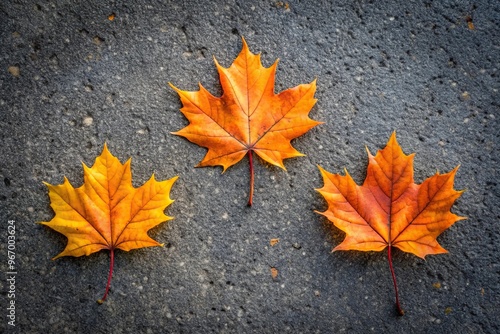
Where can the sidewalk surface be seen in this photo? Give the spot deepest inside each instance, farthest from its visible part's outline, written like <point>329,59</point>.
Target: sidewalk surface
<point>75,75</point>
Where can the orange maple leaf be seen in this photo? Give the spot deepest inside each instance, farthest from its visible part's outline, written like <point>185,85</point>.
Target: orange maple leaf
<point>107,212</point>
<point>248,117</point>
<point>389,209</point>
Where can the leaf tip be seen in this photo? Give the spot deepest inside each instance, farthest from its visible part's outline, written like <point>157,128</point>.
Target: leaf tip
<point>105,148</point>
<point>173,179</point>
<point>324,172</point>
<point>368,151</point>
<point>393,140</point>
<point>245,45</point>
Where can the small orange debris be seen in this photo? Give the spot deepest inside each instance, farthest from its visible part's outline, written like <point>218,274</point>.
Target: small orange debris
<point>274,241</point>
<point>470,24</point>
<point>274,272</point>
<point>14,70</point>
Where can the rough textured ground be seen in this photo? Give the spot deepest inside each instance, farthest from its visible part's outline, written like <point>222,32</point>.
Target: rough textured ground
<point>71,80</point>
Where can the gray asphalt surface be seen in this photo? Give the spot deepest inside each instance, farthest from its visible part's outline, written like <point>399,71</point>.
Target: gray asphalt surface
<point>71,80</point>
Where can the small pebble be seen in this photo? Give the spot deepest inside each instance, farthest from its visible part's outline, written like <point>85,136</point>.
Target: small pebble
<point>14,70</point>
<point>87,121</point>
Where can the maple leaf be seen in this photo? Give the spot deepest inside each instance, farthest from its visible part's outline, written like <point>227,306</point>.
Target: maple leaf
<point>107,212</point>
<point>248,117</point>
<point>389,209</point>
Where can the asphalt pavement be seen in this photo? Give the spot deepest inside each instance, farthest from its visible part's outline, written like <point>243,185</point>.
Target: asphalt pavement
<point>77,74</point>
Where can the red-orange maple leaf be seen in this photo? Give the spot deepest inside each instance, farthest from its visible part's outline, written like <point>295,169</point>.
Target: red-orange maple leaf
<point>389,209</point>
<point>248,117</point>
<point>107,212</point>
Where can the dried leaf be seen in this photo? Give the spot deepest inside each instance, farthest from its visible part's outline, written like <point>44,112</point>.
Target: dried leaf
<point>248,117</point>
<point>389,209</point>
<point>107,212</point>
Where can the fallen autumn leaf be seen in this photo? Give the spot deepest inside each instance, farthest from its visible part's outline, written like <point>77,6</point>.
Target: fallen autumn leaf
<point>389,209</point>
<point>248,117</point>
<point>107,212</point>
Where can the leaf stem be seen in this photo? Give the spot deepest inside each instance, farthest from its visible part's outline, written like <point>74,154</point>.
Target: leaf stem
<point>250,196</point>
<point>110,275</point>
<point>398,306</point>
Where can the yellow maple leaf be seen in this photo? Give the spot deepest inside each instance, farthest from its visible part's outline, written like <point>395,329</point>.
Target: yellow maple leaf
<point>107,212</point>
